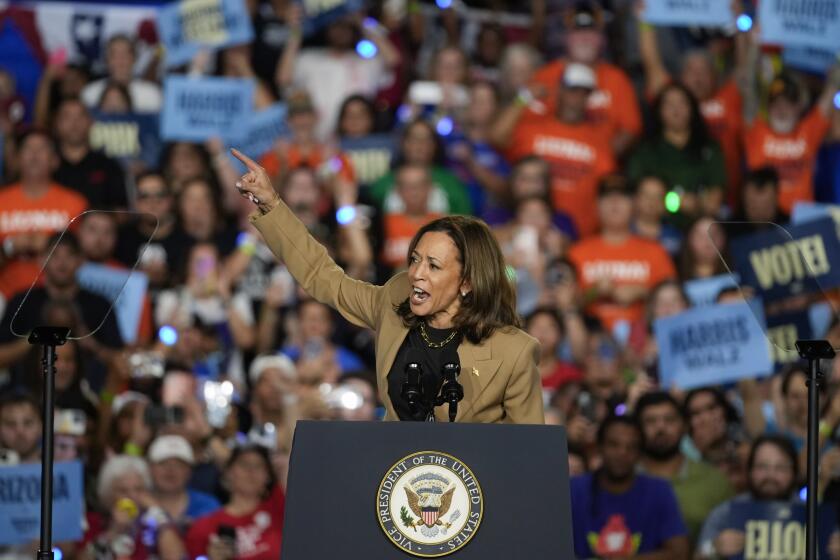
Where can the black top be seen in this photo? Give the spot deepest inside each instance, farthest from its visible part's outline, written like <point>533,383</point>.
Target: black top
<point>431,361</point>
<point>96,176</point>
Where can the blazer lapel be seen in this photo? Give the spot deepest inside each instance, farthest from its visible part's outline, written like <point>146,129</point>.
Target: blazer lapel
<point>478,368</point>
<point>390,339</point>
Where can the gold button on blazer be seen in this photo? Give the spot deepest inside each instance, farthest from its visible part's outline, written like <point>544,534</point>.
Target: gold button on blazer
<point>500,376</point>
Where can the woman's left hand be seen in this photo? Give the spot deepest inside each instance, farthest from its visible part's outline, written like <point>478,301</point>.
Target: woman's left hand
<point>255,184</point>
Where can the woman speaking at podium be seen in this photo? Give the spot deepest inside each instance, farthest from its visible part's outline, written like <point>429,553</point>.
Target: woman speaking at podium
<point>455,296</point>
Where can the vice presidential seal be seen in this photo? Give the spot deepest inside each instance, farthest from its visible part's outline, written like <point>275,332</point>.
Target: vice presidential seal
<point>429,504</point>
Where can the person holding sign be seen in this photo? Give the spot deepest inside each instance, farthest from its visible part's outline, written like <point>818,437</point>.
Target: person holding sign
<point>120,56</point>
<point>455,296</point>
<point>768,520</point>
<point>718,96</point>
<point>789,137</point>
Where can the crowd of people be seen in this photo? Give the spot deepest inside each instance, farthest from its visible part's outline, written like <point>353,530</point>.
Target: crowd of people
<point>566,126</point>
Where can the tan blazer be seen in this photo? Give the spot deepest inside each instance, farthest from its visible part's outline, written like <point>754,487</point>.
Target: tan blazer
<point>500,376</point>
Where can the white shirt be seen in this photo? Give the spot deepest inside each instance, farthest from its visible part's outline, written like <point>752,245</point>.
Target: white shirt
<point>330,78</point>
<point>146,97</point>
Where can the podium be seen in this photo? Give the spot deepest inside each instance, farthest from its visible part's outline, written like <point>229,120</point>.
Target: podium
<point>393,490</point>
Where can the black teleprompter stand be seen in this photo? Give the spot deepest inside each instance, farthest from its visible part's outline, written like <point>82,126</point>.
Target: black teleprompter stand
<point>813,351</point>
<point>49,338</point>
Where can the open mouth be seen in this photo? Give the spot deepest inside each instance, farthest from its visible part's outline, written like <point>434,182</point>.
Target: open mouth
<point>418,296</point>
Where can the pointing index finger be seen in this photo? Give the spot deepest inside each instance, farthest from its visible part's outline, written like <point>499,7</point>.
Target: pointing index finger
<point>249,163</point>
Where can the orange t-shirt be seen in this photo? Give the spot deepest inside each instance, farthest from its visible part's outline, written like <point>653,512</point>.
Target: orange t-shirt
<point>793,155</point>
<point>313,159</point>
<point>579,155</point>
<point>613,103</point>
<point>723,116</point>
<point>635,262</point>
<point>19,214</point>
<point>399,230</point>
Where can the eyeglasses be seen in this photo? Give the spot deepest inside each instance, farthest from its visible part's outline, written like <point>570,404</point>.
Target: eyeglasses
<point>159,195</point>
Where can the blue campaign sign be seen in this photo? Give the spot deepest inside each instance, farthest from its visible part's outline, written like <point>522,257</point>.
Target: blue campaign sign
<point>815,61</point>
<point>320,13</point>
<point>258,133</point>
<point>778,263</point>
<point>127,137</point>
<point>20,503</point>
<point>709,13</point>
<point>815,23</point>
<point>371,156</point>
<point>704,291</point>
<point>712,345</point>
<point>108,282</point>
<point>776,529</point>
<point>195,109</point>
<point>189,25</point>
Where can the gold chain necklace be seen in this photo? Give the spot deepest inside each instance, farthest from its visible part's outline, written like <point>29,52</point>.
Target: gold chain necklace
<point>428,340</point>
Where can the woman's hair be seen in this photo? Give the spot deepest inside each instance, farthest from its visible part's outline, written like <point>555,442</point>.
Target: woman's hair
<point>119,88</point>
<point>491,303</point>
<point>687,260</point>
<point>262,453</point>
<point>730,414</point>
<point>114,468</point>
<point>699,135</point>
<point>654,292</point>
<point>356,98</point>
<point>437,159</point>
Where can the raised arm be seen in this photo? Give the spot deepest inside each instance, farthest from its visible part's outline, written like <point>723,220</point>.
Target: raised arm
<point>307,260</point>
<point>656,75</point>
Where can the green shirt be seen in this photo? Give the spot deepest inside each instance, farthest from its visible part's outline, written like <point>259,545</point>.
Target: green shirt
<point>679,167</point>
<point>699,487</point>
<point>452,189</point>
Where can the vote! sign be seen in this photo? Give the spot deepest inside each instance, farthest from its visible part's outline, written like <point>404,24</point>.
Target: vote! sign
<point>20,503</point>
<point>776,529</point>
<point>778,263</point>
<point>711,13</point>
<point>712,345</point>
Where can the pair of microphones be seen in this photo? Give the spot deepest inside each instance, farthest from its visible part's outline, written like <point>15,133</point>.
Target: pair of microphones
<point>423,392</point>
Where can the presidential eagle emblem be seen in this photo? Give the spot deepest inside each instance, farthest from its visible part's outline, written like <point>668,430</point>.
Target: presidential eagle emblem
<point>429,504</point>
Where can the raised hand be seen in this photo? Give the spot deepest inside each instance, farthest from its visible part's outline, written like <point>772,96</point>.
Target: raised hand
<point>255,184</point>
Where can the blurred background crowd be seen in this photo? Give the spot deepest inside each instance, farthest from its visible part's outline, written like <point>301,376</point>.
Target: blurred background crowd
<point>601,149</point>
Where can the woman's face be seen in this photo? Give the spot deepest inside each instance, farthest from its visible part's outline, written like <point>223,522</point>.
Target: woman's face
<point>451,67</point>
<point>529,179</point>
<point>518,70</point>
<point>707,420</point>
<point>65,365</point>
<point>482,109</point>
<point>534,213</point>
<point>704,240</point>
<point>434,272</point>
<point>315,321</point>
<point>356,121</point>
<point>544,328</point>
<point>128,485</point>
<point>650,199</point>
<point>675,111</point>
<point>196,207</point>
<point>185,162</point>
<point>248,476</point>
<point>419,145</point>
<point>667,302</point>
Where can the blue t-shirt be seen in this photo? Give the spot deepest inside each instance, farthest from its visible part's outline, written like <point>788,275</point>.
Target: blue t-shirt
<point>637,521</point>
<point>200,504</point>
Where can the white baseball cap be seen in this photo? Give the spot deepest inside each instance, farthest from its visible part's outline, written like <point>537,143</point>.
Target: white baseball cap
<point>579,75</point>
<point>125,398</point>
<point>171,447</point>
<point>275,361</point>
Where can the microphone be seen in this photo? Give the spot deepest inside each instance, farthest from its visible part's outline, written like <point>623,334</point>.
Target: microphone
<point>411,384</point>
<point>452,391</point>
